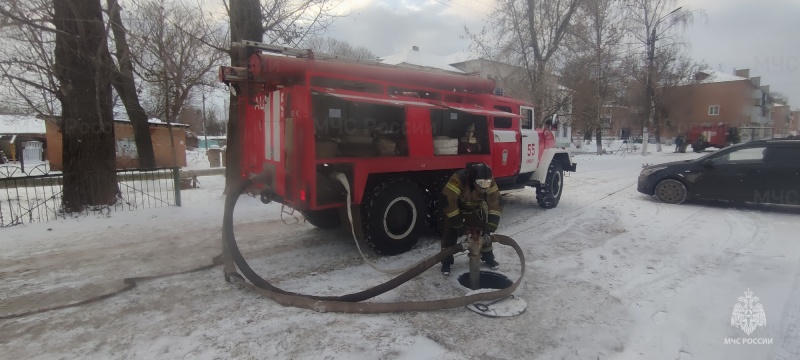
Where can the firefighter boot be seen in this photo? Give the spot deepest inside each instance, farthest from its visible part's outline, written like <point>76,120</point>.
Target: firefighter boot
<point>445,269</point>
<point>488,258</point>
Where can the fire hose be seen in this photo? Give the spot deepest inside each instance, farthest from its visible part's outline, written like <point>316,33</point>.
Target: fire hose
<point>352,303</point>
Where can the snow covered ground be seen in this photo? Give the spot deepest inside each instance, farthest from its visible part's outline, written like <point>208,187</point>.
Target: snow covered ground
<point>612,274</point>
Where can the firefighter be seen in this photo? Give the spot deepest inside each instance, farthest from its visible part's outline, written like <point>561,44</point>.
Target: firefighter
<point>678,142</point>
<point>470,201</point>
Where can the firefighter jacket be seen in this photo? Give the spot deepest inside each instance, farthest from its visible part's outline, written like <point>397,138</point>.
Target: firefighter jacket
<point>464,199</point>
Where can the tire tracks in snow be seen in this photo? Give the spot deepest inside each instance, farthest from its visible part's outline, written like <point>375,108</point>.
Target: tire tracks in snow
<point>788,347</point>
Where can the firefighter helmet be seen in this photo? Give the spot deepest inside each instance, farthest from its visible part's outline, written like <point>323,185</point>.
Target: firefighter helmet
<point>481,175</point>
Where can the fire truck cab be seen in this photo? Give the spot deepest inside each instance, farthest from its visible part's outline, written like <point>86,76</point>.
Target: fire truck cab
<point>393,136</point>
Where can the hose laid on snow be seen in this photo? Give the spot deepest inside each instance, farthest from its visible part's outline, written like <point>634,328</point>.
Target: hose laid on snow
<point>350,303</point>
<point>343,180</point>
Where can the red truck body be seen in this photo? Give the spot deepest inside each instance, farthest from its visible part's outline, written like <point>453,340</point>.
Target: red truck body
<point>712,135</point>
<point>306,120</point>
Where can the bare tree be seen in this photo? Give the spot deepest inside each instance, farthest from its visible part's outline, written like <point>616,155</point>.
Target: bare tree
<point>674,68</point>
<point>84,89</point>
<point>176,50</point>
<point>654,20</point>
<point>28,65</point>
<point>594,43</point>
<point>26,57</point>
<point>333,46</point>
<point>528,34</point>
<point>125,85</point>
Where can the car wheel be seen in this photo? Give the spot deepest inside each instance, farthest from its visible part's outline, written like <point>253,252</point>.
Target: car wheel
<point>671,191</point>
<point>393,217</point>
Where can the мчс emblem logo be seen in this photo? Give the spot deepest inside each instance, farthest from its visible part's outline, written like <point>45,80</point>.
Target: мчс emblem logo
<point>748,314</point>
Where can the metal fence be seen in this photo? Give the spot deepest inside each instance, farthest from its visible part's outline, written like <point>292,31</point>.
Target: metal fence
<point>30,198</point>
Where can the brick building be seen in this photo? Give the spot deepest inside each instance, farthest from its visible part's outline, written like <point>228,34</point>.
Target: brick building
<point>127,157</point>
<point>794,122</point>
<point>781,119</point>
<point>715,97</point>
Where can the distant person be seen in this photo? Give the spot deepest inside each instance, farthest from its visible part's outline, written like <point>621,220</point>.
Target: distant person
<point>678,142</point>
<point>684,143</point>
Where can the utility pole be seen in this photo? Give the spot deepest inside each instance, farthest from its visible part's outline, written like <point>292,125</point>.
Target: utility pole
<point>651,56</point>
<point>169,122</point>
<point>205,133</point>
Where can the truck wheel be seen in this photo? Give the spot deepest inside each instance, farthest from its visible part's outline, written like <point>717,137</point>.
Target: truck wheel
<point>671,191</point>
<point>549,193</point>
<point>323,219</point>
<point>393,216</point>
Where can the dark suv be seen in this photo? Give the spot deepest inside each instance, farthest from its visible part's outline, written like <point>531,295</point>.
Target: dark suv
<point>765,171</point>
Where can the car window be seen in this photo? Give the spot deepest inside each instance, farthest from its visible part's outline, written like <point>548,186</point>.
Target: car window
<point>747,155</point>
<point>783,155</point>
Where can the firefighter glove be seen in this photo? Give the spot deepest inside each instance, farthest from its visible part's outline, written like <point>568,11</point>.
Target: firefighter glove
<point>457,222</point>
<point>489,228</point>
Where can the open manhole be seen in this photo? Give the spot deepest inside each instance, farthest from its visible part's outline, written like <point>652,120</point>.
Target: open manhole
<point>510,305</point>
<point>488,280</point>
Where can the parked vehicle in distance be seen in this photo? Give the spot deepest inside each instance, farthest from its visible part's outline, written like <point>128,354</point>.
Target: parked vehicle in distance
<point>716,135</point>
<point>764,171</point>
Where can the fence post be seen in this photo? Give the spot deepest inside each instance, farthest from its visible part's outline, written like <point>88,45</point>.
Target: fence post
<point>176,176</point>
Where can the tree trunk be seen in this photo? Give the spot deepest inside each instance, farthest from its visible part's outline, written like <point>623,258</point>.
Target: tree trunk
<point>246,24</point>
<point>539,89</point>
<point>598,137</point>
<point>81,66</point>
<point>126,88</point>
<point>658,133</point>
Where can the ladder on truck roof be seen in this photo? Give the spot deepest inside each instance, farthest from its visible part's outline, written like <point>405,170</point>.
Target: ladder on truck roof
<point>310,54</point>
<point>301,53</point>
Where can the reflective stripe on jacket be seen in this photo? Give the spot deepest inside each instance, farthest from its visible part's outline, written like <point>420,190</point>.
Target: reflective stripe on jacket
<point>463,198</point>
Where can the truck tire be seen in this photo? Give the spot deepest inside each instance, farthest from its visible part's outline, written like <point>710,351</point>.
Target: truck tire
<point>698,147</point>
<point>549,193</point>
<point>393,215</point>
<point>323,219</point>
<point>671,191</point>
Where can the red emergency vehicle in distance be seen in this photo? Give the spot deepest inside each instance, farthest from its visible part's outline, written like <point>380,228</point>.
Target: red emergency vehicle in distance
<point>392,135</point>
<point>712,135</point>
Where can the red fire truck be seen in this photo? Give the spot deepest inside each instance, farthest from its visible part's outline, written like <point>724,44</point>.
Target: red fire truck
<point>712,135</point>
<point>388,136</point>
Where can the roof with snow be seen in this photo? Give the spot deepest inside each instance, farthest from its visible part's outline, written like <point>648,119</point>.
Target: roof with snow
<point>156,122</point>
<point>414,57</point>
<point>460,57</point>
<point>718,77</point>
<point>21,124</point>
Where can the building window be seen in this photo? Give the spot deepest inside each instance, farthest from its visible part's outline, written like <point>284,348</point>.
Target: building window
<point>713,110</point>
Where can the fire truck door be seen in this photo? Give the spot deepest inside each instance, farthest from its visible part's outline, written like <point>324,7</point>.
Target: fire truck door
<point>530,141</point>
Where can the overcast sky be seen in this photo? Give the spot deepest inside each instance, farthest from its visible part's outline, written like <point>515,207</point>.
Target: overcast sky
<point>763,36</point>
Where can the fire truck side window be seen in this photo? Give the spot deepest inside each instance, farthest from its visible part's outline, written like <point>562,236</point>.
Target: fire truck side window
<point>502,122</point>
<point>471,131</point>
<point>358,129</point>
